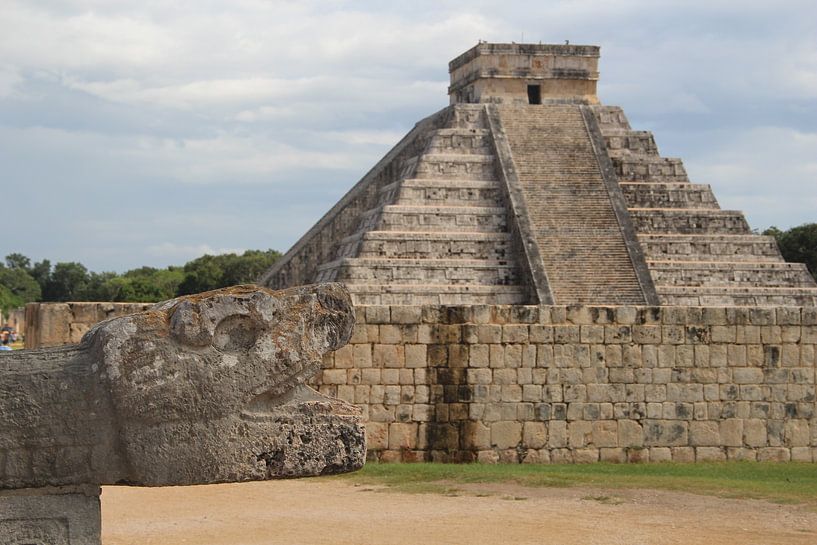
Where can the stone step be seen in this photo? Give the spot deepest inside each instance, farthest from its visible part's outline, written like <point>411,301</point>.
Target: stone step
<point>689,221</point>
<point>576,228</point>
<point>435,245</point>
<point>427,271</point>
<point>756,248</point>
<point>443,218</point>
<point>646,168</point>
<point>622,142</point>
<point>449,192</point>
<point>436,294</point>
<point>456,166</point>
<point>461,141</point>
<point>742,296</point>
<point>730,274</point>
<point>669,195</point>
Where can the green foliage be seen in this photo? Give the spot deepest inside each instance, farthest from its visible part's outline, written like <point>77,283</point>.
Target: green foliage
<point>8,300</point>
<point>67,282</point>
<point>21,282</point>
<point>211,272</point>
<point>798,244</point>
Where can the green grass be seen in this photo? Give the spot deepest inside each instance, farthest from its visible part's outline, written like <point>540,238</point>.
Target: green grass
<point>776,482</point>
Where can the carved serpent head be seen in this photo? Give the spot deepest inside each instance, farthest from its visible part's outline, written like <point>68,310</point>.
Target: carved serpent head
<point>211,387</point>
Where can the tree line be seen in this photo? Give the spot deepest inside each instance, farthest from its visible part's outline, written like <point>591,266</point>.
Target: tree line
<point>22,281</point>
<point>798,244</point>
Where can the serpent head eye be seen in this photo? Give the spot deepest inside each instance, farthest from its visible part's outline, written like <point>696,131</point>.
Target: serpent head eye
<point>236,333</point>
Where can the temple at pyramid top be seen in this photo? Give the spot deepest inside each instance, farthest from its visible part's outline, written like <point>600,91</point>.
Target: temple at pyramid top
<point>525,74</point>
<point>526,190</point>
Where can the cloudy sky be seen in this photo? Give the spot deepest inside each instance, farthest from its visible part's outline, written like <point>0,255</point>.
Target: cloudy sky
<point>150,132</point>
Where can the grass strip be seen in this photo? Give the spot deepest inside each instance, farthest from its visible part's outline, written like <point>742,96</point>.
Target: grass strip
<point>776,482</point>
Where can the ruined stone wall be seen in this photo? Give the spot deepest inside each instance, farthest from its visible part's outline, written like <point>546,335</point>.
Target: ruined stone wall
<point>16,318</point>
<point>57,324</point>
<point>582,384</point>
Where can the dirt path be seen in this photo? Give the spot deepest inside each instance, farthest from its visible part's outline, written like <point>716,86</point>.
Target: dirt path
<point>317,511</point>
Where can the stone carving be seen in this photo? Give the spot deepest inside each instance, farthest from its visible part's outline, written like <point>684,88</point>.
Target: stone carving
<point>200,389</point>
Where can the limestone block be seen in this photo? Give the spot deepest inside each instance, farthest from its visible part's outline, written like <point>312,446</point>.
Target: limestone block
<point>592,334</point>
<point>487,457</point>
<point>605,433</point>
<point>796,433</point>
<point>773,454</point>
<point>405,314</point>
<point>476,436</point>
<point>710,454</point>
<point>402,435</point>
<point>586,455</point>
<point>580,434</point>
<point>53,516</point>
<point>390,376</point>
<point>388,355</point>
<point>561,456</point>
<point>564,334</point>
<point>557,434</point>
<point>660,454</point>
<point>514,333</point>
<point>665,433</point>
<point>422,412</point>
<point>613,455</point>
<point>377,314</point>
<point>506,434</point>
<point>362,355</point>
<point>630,434</point>
<point>704,433</point>
<point>646,334</point>
<point>534,435</point>
<point>802,454</point>
<point>540,333</point>
<point>377,435</point>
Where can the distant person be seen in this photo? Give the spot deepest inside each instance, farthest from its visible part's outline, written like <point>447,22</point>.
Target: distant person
<point>4,344</point>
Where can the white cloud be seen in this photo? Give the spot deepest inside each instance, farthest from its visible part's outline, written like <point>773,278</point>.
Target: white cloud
<point>184,252</point>
<point>769,172</point>
<point>10,79</point>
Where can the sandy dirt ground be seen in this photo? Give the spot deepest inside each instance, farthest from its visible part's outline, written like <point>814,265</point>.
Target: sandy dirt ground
<point>317,511</point>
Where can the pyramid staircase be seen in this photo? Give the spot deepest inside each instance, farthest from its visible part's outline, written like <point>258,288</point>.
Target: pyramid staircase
<point>572,212</point>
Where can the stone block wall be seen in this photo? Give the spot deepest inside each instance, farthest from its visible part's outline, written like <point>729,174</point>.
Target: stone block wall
<point>581,383</point>
<point>57,324</point>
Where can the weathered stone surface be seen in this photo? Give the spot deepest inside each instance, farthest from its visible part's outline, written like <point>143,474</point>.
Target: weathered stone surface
<point>556,380</point>
<point>50,516</point>
<point>200,389</point>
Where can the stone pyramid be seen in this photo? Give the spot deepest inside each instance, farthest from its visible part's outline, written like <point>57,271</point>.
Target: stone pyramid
<point>525,190</point>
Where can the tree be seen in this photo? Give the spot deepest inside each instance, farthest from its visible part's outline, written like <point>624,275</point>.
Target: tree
<point>67,282</point>
<point>798,244</point>
<point>18,261</point>
<point>19,287</point>
<point>211,272</point>
<point>41,272</point>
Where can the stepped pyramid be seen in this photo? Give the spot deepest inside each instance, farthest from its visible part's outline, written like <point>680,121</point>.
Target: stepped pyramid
<point>525,190</point>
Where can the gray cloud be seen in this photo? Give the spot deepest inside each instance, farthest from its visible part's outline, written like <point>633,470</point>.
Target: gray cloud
<point>135,133</point>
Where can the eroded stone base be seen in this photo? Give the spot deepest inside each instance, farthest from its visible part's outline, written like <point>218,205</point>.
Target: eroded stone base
<point>52,516</point>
